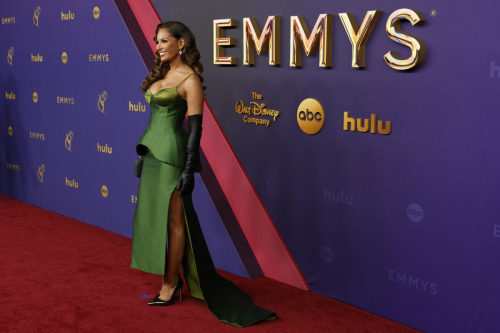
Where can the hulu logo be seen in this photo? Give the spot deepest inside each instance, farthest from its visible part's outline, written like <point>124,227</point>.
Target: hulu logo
<point>71,183</point>
<point>68,16</point>
<point>136,107</point>
<point>104,149</point>
<point>367,125</point>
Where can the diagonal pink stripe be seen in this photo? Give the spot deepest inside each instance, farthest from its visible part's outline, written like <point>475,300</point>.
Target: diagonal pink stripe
<point>264,239</point>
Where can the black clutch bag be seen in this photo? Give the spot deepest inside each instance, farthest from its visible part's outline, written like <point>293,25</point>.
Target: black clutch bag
<point>138,166</point>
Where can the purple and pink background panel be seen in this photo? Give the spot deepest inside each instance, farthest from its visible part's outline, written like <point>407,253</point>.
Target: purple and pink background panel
<point>404,225</point>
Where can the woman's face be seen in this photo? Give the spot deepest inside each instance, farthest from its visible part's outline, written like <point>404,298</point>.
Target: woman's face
<point>167,46</point>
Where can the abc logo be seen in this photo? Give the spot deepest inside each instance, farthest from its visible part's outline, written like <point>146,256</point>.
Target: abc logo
<point>310,116</point>
<point>11,131</point>
<point>35,97</point>
<point>96,12</point>
<point>415,212</point>
<point>104,191</point>
<point>64,57</point>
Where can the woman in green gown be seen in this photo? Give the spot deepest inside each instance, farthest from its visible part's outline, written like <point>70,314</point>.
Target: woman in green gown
<point>164,206</point>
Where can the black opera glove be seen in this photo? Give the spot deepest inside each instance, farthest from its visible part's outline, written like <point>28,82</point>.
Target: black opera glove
<point>186,180</point>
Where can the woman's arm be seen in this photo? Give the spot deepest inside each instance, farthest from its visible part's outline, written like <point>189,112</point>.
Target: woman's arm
<point>194,95</point>
<point>194,98</point>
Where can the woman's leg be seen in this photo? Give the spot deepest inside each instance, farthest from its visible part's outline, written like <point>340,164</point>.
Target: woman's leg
<point>176,245</point>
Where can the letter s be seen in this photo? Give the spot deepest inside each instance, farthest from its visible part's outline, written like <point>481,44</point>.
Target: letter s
<point>417,46</point>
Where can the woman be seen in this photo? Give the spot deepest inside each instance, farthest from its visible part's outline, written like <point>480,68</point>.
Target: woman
<point>164,206</point>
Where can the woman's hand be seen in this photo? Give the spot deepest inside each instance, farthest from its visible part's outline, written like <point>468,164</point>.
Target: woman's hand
<point>186,180</point>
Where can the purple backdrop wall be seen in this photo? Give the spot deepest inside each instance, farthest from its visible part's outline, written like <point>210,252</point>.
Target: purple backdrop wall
<point>437,273</point>
<point>416,237</point>
<point>101,57</point>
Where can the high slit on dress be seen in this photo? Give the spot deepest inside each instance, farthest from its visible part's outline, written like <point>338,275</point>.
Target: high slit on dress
<point>159,178</point>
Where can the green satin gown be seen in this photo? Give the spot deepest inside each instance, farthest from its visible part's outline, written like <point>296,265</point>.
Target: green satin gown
<point>164,146</point>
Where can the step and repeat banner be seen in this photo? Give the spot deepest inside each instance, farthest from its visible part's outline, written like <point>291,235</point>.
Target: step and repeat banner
<point>369,130</point>
<point>71,113</point>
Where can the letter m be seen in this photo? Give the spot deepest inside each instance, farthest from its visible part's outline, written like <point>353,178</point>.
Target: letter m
<point>413,282</point>
<point>321,34</point>
<point>270,38</point>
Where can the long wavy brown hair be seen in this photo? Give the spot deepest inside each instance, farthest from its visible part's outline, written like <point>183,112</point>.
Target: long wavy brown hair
<point>190,54</point>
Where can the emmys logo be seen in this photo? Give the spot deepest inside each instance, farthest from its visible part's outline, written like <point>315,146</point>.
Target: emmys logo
<point>104,149</point>
<point>68,16</point>
<point>14,167</point>
<point>69,138</point>
<point>11,131</point>
<point>38,136</point>
<point>412,282</point>
<point>366,125</point>
<point>133,199</point>
<point>98,57</point>
<point>71,183</point>
<point>36,58</point>
<point>136,107</point>
<point>65,100</point>
<point>100,102</point>
<point>104,191</point>
<point>8,20</point>
<point>35,97</point>
<point>10,96</point>
<point>64,57</point>
<point>9,55</point>
<point>41,170</point>
<point>96,12</point>
<point>310,116</point>
<point>36,15</point>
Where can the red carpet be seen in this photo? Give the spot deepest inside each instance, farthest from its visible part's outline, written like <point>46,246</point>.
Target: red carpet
<point>61,275</point>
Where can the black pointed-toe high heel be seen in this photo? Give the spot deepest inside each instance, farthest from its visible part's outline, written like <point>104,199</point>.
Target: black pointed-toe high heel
<point>159,302</point>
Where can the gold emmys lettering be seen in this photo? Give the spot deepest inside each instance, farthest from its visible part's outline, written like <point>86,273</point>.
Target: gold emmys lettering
<point>13,166</point>
<point>98,57</point>
<point>9,20</point>
<point>38,136</point>
<point>321,36</point>
<point>65,100</point>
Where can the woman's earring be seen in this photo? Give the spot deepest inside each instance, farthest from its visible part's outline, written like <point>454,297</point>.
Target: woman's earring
<point>180,51</point>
